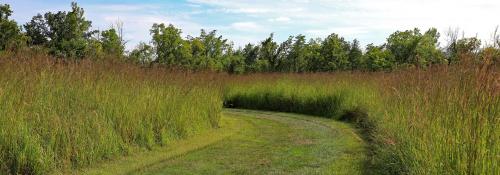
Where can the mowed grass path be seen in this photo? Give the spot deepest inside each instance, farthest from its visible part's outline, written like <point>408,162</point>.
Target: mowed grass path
<point>255,142</point>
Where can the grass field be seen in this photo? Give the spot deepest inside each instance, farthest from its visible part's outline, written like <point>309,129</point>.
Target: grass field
<point>274,143</point>
<point>56,116</point>
<point>443,120</point>
<point>335,87</point>
<point>64,116</point>
<point>146,161</point>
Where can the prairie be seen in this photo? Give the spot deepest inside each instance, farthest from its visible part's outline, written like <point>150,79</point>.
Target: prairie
<point>59,115</point>
<point>91,94</point>
<point>62,116</point>
<point>440,120</point>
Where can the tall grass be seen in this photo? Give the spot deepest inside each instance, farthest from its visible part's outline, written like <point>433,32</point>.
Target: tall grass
<point>441,121</point>
<point>59,115</point>
<point>56,115</point>
<point>313,94</point>
<point>342,96</point>
<point>437,121</point>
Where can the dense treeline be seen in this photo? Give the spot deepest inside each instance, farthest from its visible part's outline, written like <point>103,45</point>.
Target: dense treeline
<point>69,35</point>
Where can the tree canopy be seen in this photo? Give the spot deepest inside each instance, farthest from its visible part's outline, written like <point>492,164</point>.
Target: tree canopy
<point>10,33</point>
<point>69,35</point>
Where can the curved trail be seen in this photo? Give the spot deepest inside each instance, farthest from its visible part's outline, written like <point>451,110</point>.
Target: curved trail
<point>255,142</point>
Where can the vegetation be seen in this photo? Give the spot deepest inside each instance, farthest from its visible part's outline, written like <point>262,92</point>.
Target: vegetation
<point>444,120</point>
<point>68,35</point>
<point>274,143</point>
<point>57,115</point>
<point>253,142</point>
<point>141,162</point>
<point>314,94</point>
<point>10,35</point>
<point>71,96</point>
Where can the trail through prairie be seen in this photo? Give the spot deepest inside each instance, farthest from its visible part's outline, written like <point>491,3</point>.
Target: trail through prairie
<point>256,142</point>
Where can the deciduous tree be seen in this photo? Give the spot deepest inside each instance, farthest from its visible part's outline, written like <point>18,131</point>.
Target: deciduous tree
<point>112,43</point>
<point>38,30</point>
<point>335,51</point>
<point>356,55</point>
<point>378,58</point>
<point>170,48</point>
<point>69,32</point>
<point>10,34</point>
<point>142,54</point>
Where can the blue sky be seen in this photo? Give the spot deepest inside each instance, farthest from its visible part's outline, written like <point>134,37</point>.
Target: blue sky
<point>244,21</point>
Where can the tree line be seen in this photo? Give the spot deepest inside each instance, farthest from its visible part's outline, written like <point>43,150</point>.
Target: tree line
<point>68,35</point>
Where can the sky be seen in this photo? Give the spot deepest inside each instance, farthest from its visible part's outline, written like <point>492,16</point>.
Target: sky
<point>251,21</point>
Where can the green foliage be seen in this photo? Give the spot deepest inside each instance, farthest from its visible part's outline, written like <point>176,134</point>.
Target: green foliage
<point>356,56</point>
<point>69,32</point>
<point>463,48</point>
<point>468,45</point>
<point>235,64</point>
<point>68,35</point>
<point>211,51</point>
<point>403,44</point>
<point>5,12</point>
<point>170,48</point>
<point>214,45</point>
<point>112,43</point>
<point>296,54</point>
<point>378,58</point>
<point>251,53</point>
<point>413,48</point>
<point>94,49</point>
<point>268,53</point>
<point>335,51</point>
<point>142,54</point>
<point>198,52</point>
<point>10,34</point>
<point>38,31</point>
<point>427,51</point>
<point>313,55</point>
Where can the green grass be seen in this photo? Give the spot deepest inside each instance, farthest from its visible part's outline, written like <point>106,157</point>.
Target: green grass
<point>57,116</point>
<point>436,121</point>
<point>63,116</point>
<point>294,93</point>
<point>441,121</point>
<point>274,143</point>
<point>140,161</point>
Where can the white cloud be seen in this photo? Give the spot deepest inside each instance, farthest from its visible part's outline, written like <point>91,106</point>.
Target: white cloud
<point>351,32</point>
<point>247,26</point>
<point>124,7</point>
<point>252,20</point>
<point>137,26</point>
<point>281,19</point>
<point>362,17</point>
<point>248,10</point>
